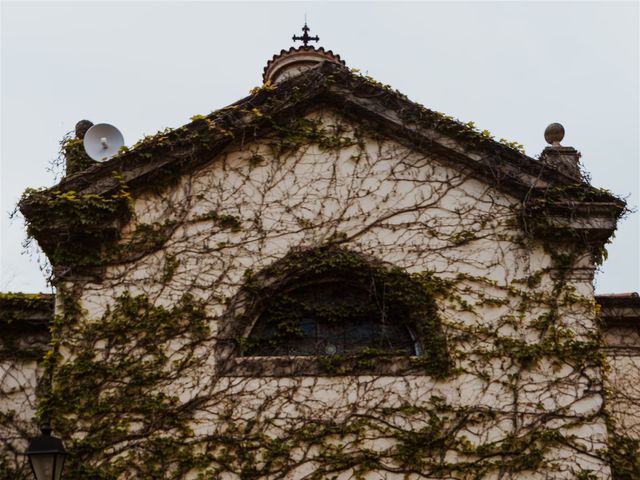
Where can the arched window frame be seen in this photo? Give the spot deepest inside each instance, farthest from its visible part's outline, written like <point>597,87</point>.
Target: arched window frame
<point>414,294</point>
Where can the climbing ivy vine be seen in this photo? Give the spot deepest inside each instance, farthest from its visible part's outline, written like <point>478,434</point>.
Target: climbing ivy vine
<point>158,284</point>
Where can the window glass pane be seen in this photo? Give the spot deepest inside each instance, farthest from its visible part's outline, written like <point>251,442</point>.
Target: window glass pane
<point>330,338</point>
<point>327,318</point>
<point>394,337</point>
<point>359,334</point>
<point>306,345</point>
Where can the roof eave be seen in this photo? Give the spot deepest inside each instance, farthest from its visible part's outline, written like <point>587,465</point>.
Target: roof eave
<point>329,84</point>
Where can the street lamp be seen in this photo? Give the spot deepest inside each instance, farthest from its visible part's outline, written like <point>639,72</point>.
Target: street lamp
<point>46,455</point>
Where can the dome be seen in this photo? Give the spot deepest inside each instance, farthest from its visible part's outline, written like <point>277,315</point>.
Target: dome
<point>292,62</point>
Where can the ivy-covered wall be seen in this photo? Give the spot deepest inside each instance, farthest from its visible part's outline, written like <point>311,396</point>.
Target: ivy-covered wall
<point>622,349</point>
<point>24,339</point>
<point>141,389</point>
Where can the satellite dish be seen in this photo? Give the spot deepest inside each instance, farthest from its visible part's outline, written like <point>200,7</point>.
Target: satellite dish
<point>102,141</point>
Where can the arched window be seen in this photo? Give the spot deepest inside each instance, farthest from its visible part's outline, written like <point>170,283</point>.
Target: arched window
<point>329,316</point>
<point>328,310</point>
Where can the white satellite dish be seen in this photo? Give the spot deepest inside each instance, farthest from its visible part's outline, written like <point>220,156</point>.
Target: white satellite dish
<point>102,141</point>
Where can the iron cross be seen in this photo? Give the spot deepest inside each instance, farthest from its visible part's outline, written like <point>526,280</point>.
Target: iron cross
<point>305,38</point>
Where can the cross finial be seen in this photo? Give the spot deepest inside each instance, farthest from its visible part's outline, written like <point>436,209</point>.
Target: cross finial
<point>305,38</point>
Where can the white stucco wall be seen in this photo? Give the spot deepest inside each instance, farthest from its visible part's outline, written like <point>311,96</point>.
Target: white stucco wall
<point>622,347</point>
<point>402,207</point>
<point>18,382</point>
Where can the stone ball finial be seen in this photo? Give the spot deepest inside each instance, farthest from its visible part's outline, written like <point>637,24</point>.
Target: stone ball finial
<point>554,134</point>
<point>81,128</point>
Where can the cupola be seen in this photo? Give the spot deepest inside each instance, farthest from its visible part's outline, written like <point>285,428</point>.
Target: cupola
<point>292,62</point>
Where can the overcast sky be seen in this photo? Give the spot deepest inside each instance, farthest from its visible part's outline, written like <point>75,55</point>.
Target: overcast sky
<point>511,67</point>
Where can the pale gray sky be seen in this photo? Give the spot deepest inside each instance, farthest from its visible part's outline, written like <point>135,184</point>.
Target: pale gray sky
<point>512,67</point>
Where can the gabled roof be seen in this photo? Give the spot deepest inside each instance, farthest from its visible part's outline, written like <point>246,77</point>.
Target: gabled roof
<point>565,201</point>
<point>354,96</point>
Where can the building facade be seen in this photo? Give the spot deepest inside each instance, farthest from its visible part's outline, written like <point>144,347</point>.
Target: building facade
<point>327,280</point>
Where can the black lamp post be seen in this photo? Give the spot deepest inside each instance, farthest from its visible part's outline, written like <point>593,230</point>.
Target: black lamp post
<point>46,456</point>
